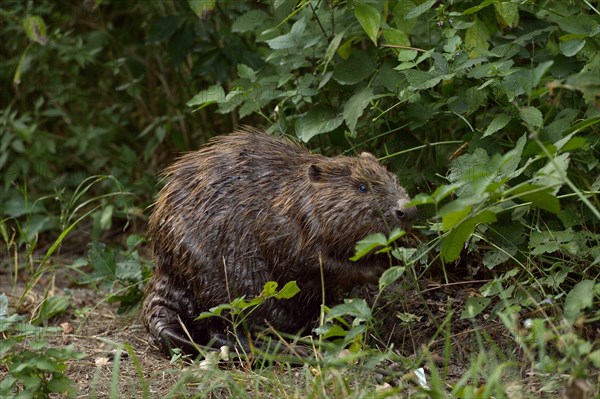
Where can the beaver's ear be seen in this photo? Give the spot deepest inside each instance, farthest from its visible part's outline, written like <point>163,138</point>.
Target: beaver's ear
<point>315,173</point>
<point>369,156</point>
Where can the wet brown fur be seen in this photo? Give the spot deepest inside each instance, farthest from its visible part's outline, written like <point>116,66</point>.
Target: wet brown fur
<point>251,208</point>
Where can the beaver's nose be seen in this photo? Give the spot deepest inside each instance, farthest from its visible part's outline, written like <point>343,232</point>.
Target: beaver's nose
<point>407,215</point>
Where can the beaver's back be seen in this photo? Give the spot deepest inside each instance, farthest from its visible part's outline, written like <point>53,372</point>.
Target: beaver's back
<point>250,208</point>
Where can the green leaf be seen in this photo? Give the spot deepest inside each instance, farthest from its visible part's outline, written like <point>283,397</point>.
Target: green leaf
<point>367,244</point>
<point>581,24</point>
<point>532,116</point>
<point>496,124</point>
<point>355,106</point>
<point>507,14</point>
<point>129,270</point>
<point>421,80</point>
<point>202,8</point>
<point>540,196</point>
<point>359,66</point>
<point>245,72</point>
<point>476,38</point>
<point>369,18</point>
<point>390,276</point>
<point>331,330</point>
<point>102,260</point>
<point>248,21</point>
<point>106,217</point>
<point>572,46</point>
<point>3,306</point>
<point>420,9</point>
<point>553,174</point>
<point>315,122</point>
<point>351,307</point>
<point>51,307</point>
<point>214,94</point>
<point>455,240</point>
<point>35,28</point>
<point>396,37</point>
<point>399,12</point>
<point>439,194</point>
<point>481,6</point>
<point>290,40</point>
<point>509,162</point>
<point>288,291</point>
<point>542,242</point>
<point>474,306</point>
<point>164,27</point>
<point>579,298</point>
<point>451,219</point>
<point>333,46</point>
<point>395,235</point>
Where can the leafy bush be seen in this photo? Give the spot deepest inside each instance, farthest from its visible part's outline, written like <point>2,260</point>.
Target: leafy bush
<point>35,371</point>
<point>490,110</point>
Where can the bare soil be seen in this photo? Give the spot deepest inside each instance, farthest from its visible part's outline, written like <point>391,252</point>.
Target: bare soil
<point>100,332</point>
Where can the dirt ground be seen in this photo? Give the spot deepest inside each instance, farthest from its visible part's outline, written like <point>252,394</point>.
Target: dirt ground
<point>99,333</point>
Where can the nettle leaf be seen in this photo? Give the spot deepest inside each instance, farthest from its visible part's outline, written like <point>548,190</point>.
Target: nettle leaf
<point>390,276</point>
<point>332,48</point>
<point>496,124</point>
<point>495,257</point>
<point>214,94</point>
<point>540,196</point>
<point>434,198</point>
<point>245,72</point>
<point>396,37</point>
<point>468,167</point>
<point>368,244</point>
<point>359,66</point>
<point>129,270</point>
<point>474,306</point>
<point>369,18</point>
<point>588,83</point>
<point>102,260</point>
<point>420,9</point>
<point>399,12</point>
<point>452,218</point>
<point>579,298</point>
<point>269,289</point>
<point>532,116</point>
<point>202,8</point>
<point>316,121</point>
<point>3,306</point>
<point>290,40</point>
<point>542,242</point>
<point>481,6</point>
<point>458,236</point>
<point>579,24</point>
<point>35,29</point>
<point>330,330</point>
<point>507,14</point>
<point>476,38</point>
<point>288,291</point>
<point>248,21</point>
<point>571,46</point>
<point>357,308</point>
<point>51,307</point>
<point>421,80</point>
<point>510,161</point>
<point>356,105</point>
<point>553,173</point>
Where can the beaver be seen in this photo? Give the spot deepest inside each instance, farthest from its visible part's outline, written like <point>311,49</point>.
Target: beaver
<point>249,208</point>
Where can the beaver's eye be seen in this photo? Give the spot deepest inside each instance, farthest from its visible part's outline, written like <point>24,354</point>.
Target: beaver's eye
<point>362,188</point>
